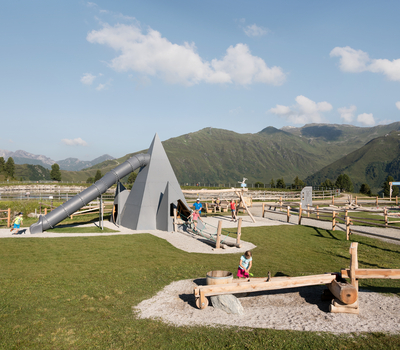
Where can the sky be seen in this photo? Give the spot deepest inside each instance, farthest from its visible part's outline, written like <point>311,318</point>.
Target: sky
<point>82,79</point>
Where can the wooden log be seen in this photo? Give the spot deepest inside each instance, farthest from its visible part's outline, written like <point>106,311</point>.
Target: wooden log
<point>353,264</point>
<point>333,221</point>
<point>288,214</point>
<point>317,212</point>
<point>385,214</point>
<point>397,202</point>
<point>342,309</point>
<point>239,232</point>
<point>246,286</point>
<point>347,228</point>
<point>218,243</point>
<point>373,273</point>
<point>345,292</point>
<point>175,221</point>
<point>263,209</point>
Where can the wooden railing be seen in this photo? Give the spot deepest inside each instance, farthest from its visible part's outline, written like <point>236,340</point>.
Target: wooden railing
<point>8,217</point>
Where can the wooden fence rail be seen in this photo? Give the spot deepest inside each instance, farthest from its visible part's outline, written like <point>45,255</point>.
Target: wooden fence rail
<point>333,216</point>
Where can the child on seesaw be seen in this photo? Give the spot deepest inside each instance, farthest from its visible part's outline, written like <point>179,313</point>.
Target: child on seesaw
<point>245,263</point>
<point>195,216</point>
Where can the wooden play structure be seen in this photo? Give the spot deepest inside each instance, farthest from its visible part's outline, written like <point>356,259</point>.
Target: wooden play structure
<point>244,202</point>
<point>345,294</point>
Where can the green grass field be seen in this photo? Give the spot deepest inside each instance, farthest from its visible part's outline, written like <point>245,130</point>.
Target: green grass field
<point>78,293</point>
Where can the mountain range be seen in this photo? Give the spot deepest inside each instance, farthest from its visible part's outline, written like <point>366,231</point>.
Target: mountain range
<point>313,152</point>
<point>71,164</point>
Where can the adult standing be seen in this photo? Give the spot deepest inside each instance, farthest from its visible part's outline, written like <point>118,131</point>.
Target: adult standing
<point>198,206</point>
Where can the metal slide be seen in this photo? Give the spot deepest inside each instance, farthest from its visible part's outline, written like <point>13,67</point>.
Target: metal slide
<point>92,192</point>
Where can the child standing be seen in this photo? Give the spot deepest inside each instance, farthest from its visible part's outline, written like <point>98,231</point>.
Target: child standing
<point>245,264</point>
<point>233,210</point>
<point>17,223</point>
<point>195,217</point>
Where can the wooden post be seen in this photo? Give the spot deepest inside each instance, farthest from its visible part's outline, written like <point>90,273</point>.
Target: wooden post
<point>397,202</point>
<point>347,227</point>
<point>333,199</point>
<point>356,200</point>
<point>239,232</point>
<point>218,243</point>
<point>263,208</point>
<point>9,217</point>
<point>333,221</point>
<point>175,218</point>
<point>317,212</point>
<point>300,212</point>
<point>376,200</point>
<point>45,211</point>
<point>308,210</point>
<point>353,264</point>
<point>385,211</point>
<point>288,214</point>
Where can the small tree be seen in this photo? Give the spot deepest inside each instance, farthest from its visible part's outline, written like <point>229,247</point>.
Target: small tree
<point>386,187</point>
<point>98,176</point>
<point>10,167</point>
<point>55,172</point>
<point>132,178</point>
<point>89,180</point>
<point>2,164</point>
<point>258,184</point>
<point>298,183</point>
<point>272,183</point>
<point>344,183</point>
<point>280,183</point>
<point>364,189</point>
<point>327,184</point>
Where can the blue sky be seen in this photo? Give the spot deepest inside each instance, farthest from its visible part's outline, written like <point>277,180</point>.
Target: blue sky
<point>81,79</point>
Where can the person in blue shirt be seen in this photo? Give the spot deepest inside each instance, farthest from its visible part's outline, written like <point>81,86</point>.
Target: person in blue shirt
<point>198,206</point>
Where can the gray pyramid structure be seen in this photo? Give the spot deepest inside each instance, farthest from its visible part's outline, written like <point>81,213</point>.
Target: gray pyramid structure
<point>154,194</point>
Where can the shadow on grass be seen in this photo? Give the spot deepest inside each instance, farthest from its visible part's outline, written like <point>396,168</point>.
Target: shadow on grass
<point>321,235</point>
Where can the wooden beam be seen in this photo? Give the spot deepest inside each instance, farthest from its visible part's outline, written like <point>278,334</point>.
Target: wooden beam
<point>373,273</point>
<point>250,285</point>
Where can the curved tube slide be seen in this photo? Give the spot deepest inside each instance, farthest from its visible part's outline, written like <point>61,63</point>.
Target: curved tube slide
<point>92,192</point>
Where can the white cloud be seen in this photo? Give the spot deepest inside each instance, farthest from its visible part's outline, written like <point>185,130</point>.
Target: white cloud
<point>347,114</point>
<point>101,87</point>
<point>366,119</point>
<point>88,79</point>
<point>356,61</point>
<point>74,142</point>
<point>303,112</point>
<point>255,30</point>
<point>398,104</point>
<point>153,55</point>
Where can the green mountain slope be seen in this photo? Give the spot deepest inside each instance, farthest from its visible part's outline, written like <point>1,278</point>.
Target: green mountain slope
<point>221,156</point>
<point>370,164</point>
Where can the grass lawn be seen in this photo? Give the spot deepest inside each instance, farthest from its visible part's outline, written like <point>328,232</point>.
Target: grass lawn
<point>78,293</point>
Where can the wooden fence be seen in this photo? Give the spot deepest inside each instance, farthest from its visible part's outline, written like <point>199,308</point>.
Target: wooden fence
<point>334,216</point>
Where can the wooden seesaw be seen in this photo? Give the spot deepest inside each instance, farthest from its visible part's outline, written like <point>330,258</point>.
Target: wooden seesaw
<point>346,294</point>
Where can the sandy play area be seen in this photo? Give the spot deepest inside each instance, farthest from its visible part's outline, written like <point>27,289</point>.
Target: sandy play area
<point>295,309</point>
